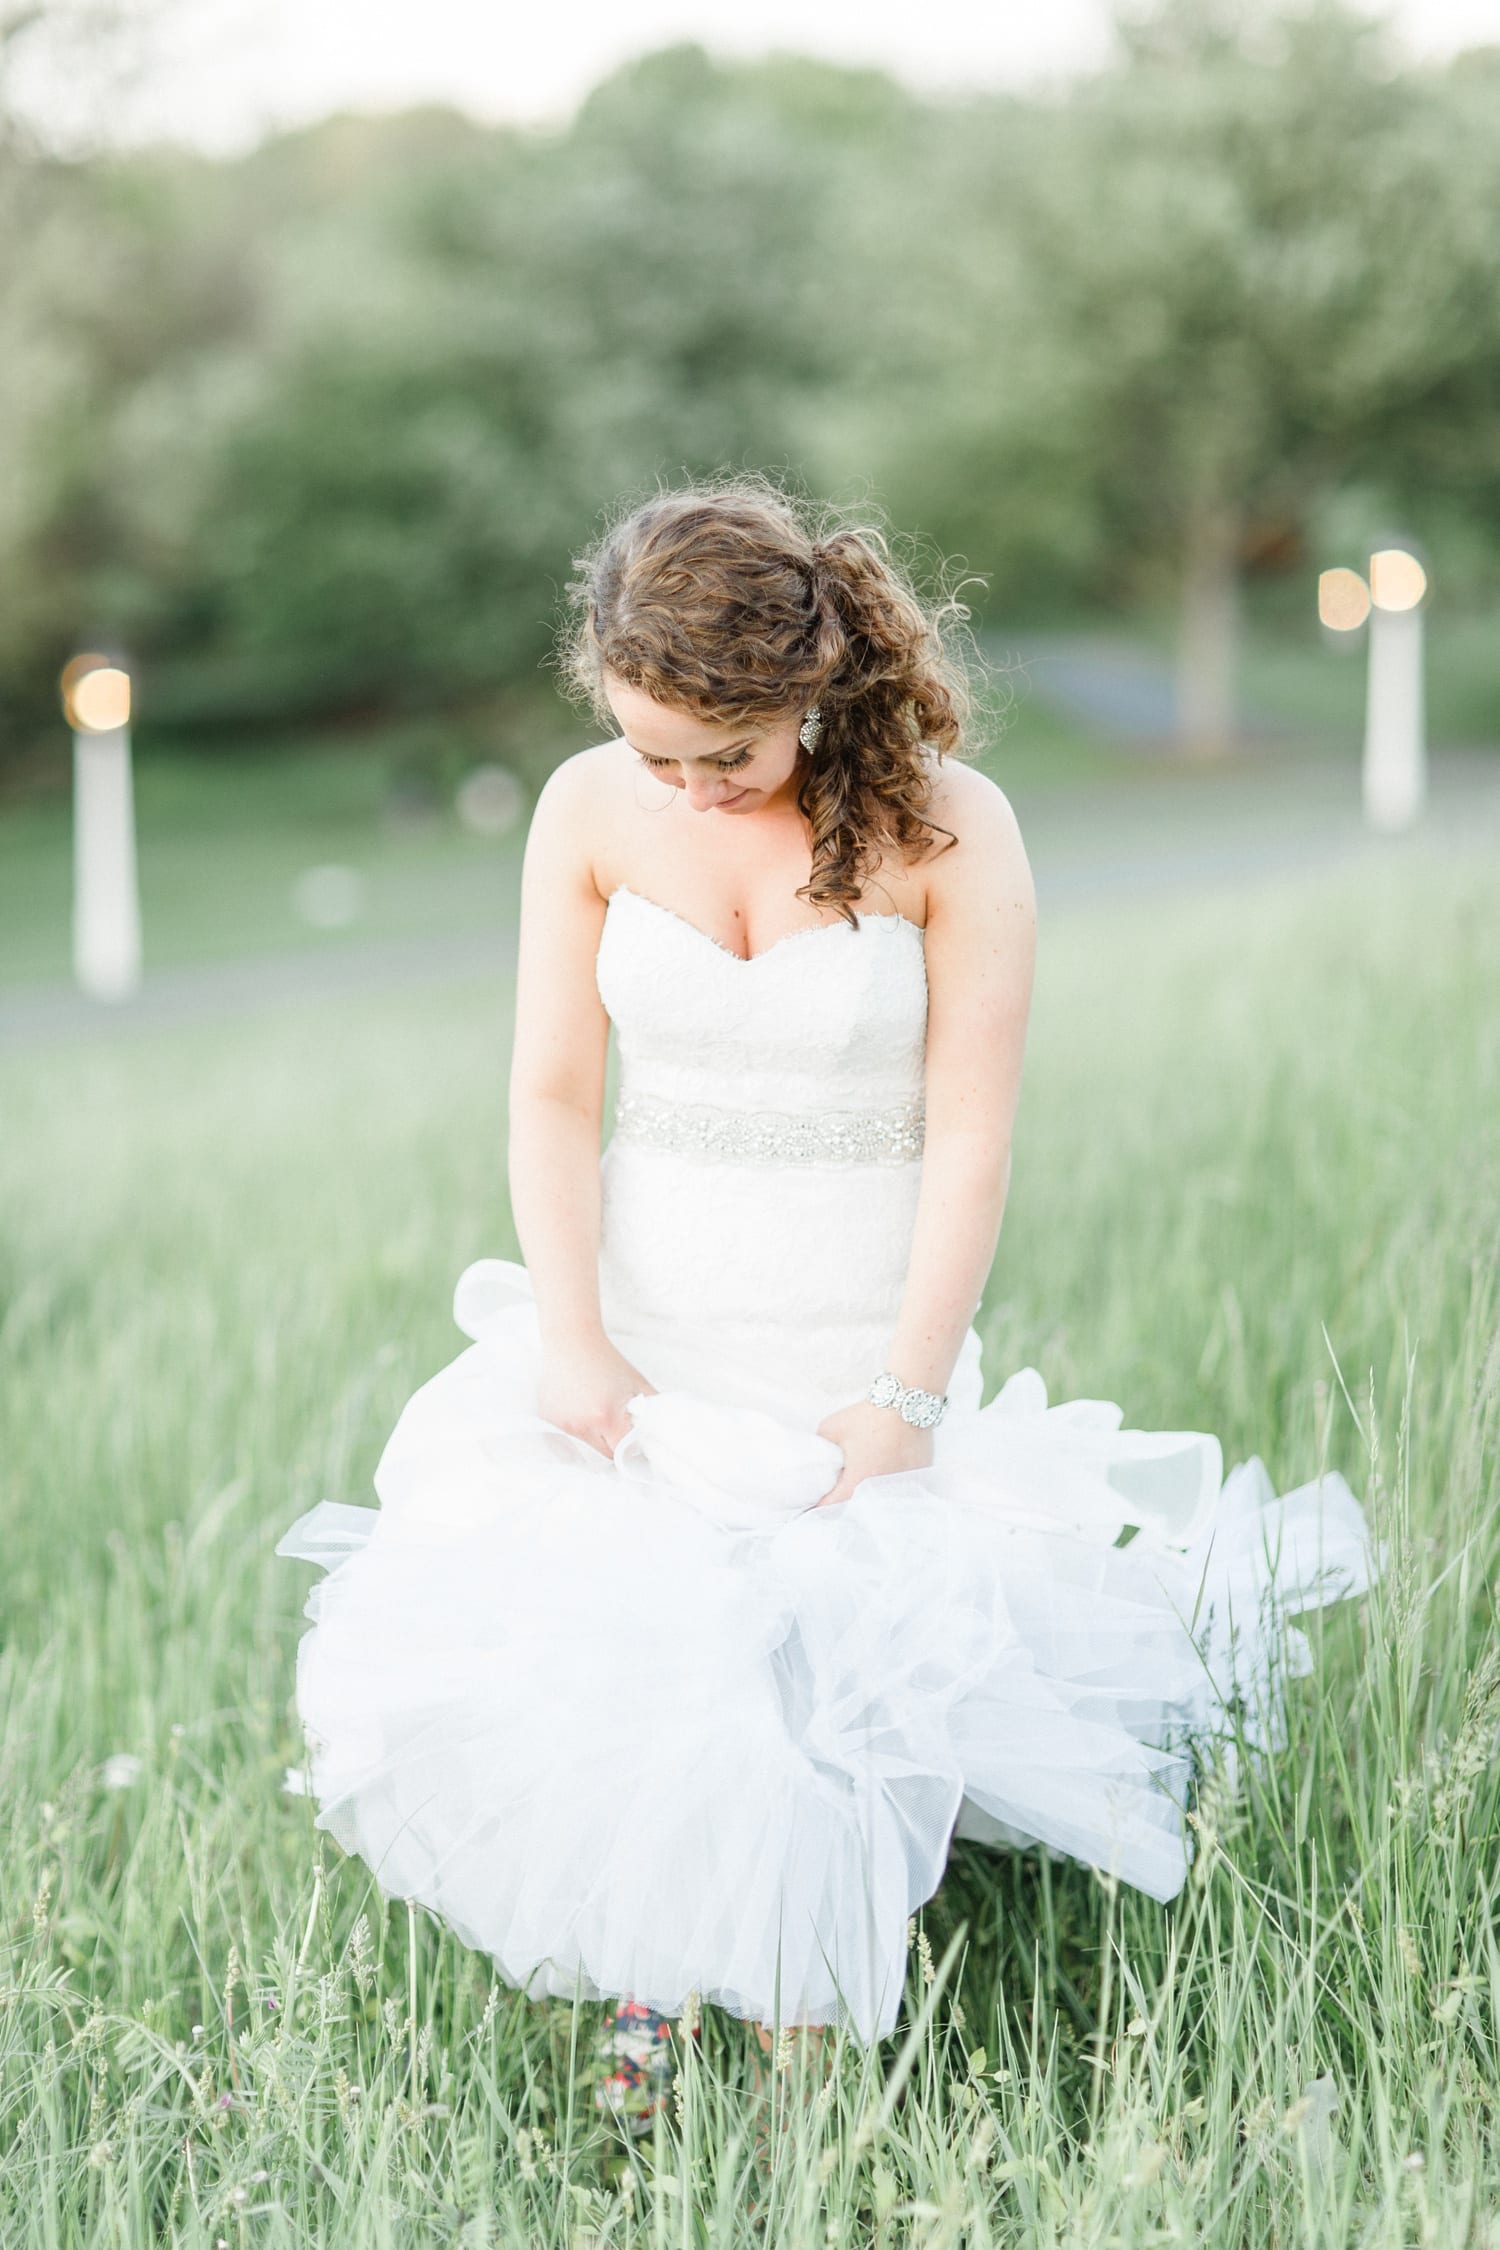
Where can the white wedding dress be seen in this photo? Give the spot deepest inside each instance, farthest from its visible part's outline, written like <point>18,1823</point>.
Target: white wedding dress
<point>649,1726</point>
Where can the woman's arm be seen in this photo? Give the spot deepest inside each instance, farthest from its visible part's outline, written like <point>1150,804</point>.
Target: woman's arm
<point>556,1104</point>
<point>980,948</point>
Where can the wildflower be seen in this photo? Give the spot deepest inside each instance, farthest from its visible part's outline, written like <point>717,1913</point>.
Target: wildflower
<point>121,1771</point>
<point>295,1782</point>
<point>783,2060</point>
<point>692,2015</point>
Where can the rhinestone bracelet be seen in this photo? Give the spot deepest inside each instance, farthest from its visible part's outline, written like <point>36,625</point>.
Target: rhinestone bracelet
<point>921,1410</point>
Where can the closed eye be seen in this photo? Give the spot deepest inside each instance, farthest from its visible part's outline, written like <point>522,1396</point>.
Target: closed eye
<point>721,765</point>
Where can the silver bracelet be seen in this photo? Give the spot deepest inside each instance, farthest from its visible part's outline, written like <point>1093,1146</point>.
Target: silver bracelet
<point>922,1410</point>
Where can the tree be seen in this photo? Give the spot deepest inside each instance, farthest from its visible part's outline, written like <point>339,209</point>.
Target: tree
<point>1242,264</point>
<point>319,429</point>
<point>368,497</point>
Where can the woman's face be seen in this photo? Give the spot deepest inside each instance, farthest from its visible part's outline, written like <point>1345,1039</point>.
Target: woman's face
<point>719,769</point>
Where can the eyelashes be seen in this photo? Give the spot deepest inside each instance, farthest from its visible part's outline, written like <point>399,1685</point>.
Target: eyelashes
<point>725,765</point>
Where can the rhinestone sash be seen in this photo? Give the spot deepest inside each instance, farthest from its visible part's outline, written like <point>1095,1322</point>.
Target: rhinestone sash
<point>773,1136</point>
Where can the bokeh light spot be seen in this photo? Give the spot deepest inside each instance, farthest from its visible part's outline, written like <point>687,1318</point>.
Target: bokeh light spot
<point>490,801</point>
<point>1343,600</point>
<point>328,898</point>
<point>96,695</point>
<point>1397,579</point>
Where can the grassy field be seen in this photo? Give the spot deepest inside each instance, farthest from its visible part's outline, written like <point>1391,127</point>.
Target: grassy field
<point>1257,1185</point>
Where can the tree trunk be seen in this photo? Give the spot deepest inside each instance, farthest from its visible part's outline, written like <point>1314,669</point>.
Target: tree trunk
<point>1208,644</point>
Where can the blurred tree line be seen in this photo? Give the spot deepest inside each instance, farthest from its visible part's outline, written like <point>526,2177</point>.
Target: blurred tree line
<point>314,432</point>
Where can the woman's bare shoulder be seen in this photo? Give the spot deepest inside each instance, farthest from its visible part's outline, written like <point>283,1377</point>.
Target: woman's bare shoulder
<point>578,808</point>
<point>580,780</point>
<point>987,859</point>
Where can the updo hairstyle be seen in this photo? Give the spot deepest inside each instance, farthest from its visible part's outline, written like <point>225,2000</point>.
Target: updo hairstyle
<point>741,604</point>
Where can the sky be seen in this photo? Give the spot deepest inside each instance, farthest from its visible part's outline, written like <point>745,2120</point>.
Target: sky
<point>224,72</point>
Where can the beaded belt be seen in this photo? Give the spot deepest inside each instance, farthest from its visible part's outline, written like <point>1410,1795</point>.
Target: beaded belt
<point>773,1136</point>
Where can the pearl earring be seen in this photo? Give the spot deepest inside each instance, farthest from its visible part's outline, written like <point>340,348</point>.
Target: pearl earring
<point>811,729</point>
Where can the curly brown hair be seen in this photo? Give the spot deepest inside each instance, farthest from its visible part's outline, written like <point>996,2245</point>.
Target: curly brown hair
<point>740,602</point>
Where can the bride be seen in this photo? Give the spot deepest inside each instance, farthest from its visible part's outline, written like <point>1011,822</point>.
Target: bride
<point>705,1602</point>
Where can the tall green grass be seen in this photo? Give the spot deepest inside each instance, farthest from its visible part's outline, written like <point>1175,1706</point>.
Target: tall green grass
<point>1256,1190</point>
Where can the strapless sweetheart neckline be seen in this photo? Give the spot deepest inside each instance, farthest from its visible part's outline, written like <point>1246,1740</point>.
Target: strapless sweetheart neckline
<point>748,960</point>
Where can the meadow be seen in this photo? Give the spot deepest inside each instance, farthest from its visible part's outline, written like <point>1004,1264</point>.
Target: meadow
<point>1257,1190</point>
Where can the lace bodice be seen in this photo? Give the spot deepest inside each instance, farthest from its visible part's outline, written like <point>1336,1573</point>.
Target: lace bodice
<point>828,1019</point>
<point>761,1181</point>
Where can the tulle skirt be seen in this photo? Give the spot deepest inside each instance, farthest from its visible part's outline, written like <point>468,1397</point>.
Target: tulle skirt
<point>656,1725</point>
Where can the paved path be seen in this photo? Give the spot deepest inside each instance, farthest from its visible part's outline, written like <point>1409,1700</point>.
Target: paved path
<point>1150,835</point>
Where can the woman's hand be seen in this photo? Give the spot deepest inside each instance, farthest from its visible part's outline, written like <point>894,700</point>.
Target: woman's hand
<point>583,1390</point>
<point>876,1443</point>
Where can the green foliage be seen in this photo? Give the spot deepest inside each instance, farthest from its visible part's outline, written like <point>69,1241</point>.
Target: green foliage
<point>317,431</point>
<point>1248,1118</point>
